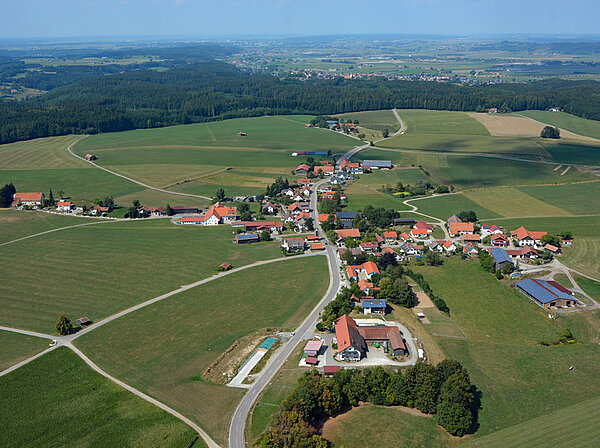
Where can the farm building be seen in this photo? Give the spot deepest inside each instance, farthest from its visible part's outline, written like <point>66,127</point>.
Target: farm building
<point>330,370</point>
<point>404,221</point>
<point>180,210</point>
<point>247,238</point>
<point>346,218</point>
<point>373,306</point>
<point>259,226</point>
<point>302,169</point>
<point>523,253</point>
<point>342,234</point>
<point>293,244</point>
<point>377,164</point>
<point>99,209</point>
<point>225,266</point>
<point>362,271</point>
<point>422,225</point>
<point>90,157</point>
<point>500,257</point>
<point>317,246</point>
<point>83,321</point>
<point>313,348</point>
<point>191,220</point>
<point>29,199</point>
<point>471,238</point>
<point>545,294</point>
<point>461,228</point>
<point>499,240</point>
<point>454,219</point>
<point>327,170</point>
<point>551,248</point>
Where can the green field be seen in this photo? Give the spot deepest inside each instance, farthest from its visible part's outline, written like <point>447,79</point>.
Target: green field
<point>518,378</point>
<point>582,429</point>
<point>160,348</point>
<point>589,286</point>
<point>383,427</point>
<point>18,347</point>
<point>200,158</point>
<point>579,199</point>
<point>98,270</point>
<point>17,224</point>
<point>373,122</point>
<point>365,191</point>
<point>57,400</point>
<point>42,153</point>
<point>584,256</point>
<point>444,206</point>
<point>440,122</point>
<point>464,171</point>
<point>581,126</point>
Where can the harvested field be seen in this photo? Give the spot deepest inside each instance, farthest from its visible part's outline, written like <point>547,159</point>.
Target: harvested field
<point>501,125</point>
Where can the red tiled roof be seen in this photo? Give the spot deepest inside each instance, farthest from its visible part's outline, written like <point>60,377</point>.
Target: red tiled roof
<point>193,219</point>
<point>391,234</point>
<point>456,227</point>
<point>522,233</point>
<point>28,197</point>
<point>64,203</point>
<point>471,237</point>
<point>347,334</point>
<point>418,231</point>
<point>323,217</point>
<point>303,166</point>
<point>348,233</point>
<point>317,246</point>
<point>423,225</point>
<point>330,370</point>
<point>325,169</point>
<point>369,245</point>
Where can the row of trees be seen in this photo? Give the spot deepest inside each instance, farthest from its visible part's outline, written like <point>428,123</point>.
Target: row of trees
<point>445,390</point>
<point>213,90</point>
<point>439,303</point>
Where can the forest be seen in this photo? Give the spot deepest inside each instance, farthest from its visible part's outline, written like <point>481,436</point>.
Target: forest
<point>211,90</point>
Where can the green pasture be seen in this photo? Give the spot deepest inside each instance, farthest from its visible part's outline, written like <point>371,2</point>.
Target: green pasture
<point>517,377</point>
<point>576,425</point>
<point>18,347</point>
<point>376,120</point>
<point>98,270</point>
<point>444,206</point>
<point>17,224</point>
<point>155,198</point>
<point>578,199</point>
<point>583,256</point>
<point>581,126</point>
<point>589,286</point>
<point>57,400</point>
<point>190,330</point>
<point>573,152</point>
<point>440,122</point>
<point>42,153</point>
<point>384,427</point>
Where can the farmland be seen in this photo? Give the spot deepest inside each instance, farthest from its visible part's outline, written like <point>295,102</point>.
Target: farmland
<point>447,205</point>
<point>42,153</point>
<point>581,226</point>
<point>392,427</point>
<point>581,126</point>
<point>373,122</point>
<point>94,271</point>
<point>440,122</point>
<point>17,347</point>
<point>583,429</point>
<point>200,158</point>
<point>190,330</point>
<point>57,399</point>
<point>584,257</point>
<point>516,376</point>
<point>17,224</point>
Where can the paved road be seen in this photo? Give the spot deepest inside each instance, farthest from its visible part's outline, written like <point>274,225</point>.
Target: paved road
<point>402,125</point>
<point>69,148</point>
<point>238,423</point>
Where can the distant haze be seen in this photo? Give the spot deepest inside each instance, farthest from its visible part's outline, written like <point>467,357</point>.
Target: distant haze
<point>214,18</point>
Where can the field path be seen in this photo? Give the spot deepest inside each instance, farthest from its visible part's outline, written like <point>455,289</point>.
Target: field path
<point>69,148</point>
<point>402,125</point>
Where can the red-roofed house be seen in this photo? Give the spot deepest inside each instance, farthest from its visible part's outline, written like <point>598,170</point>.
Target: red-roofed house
<point>362,271</point>
<point>216,214</point>
<point>29,199</point>
<point>323,217</point>
<point>351,345</point>
<point>390,237</point>
<point>304,181</point>
<point>420,225</point>
<point>448,246</point>
<point>471,238</point>
<point>419,233</point>
<point>327,170</point>
<point>526,238</point>
<point>302,169</point>
<point>64,205</point>
<point>470,250</point>
<point>369,246</point>
<point>499,240</point>
<point>523,253</point>
<point>461,228</point>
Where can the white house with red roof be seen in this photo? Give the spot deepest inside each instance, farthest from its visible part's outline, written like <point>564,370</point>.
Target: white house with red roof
<point>461,228</point>
<point>29,199</point>
<point>216,214</point>
<point>64,206</point>
<point>419,233</point>
<point>422,225</point>
<point>527,238</point>
<point>362,271</point>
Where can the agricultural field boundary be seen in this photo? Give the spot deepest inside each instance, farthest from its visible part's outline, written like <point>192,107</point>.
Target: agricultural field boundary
<point>69,148</point>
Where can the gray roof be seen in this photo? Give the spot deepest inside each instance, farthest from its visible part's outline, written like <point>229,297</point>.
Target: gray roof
<point>541,290</point>
<point>347,215</point>
<point>249,236</point>
<point>378,163</point>
<point>373,303</point>
<point>500,255</point>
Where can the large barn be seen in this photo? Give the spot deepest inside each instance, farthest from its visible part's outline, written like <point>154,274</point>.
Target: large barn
<point>545,294</point>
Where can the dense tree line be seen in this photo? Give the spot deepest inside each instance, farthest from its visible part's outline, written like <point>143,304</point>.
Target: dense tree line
<point>444,390</point>
<point>420,280</point>
<point>206,91</point>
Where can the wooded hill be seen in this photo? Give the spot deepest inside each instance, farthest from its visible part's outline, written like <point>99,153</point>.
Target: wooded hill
<point>214,90</point>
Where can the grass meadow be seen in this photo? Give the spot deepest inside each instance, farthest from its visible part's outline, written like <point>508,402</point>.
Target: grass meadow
<point>581,126</point>
<point>578,199</point>
<point>373,122</point>
<point>550,430</point>
<point>160,348</point>
<point>518,379</point>
<point>583,256</point>
<point>444,206</point>
<point>18,347</point>
<point>17,224</point>
<point>98,270</point>
<point>200,158</point>
<point>42,153</point>
<point>387,427</point>
<point>581,226</point>
<point>57,400</point>
<point>440,122</point>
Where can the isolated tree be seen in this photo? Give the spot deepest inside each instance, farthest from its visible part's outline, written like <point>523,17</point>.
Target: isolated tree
<point>168,210</point>
<point>63,325</point>
<point>51,197</point>
<point>550,132</point>
<point>551,239</point>
<point>467,216</point>
<point>433,259</point>
<point>566,234</point>
<point>361,136</point>
<point>385,133</point>
<point>246,216</point>
<point>265,236</point>
<point>220,195</point>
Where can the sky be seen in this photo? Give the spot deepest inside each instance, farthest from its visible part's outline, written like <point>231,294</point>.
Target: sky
<point>217,18</point>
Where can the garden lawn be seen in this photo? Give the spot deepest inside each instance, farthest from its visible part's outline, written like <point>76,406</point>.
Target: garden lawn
<point>581,126</point>
<point>57,400</point>
<point>583,256</point>
<point>17,224</point>
<point>98,270</point>
<point>161,348</point>
<point>18,347</point>
<point>383,427</point>
<point>517,377</point>
<point>444,206</point>
<point>582,429</point>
